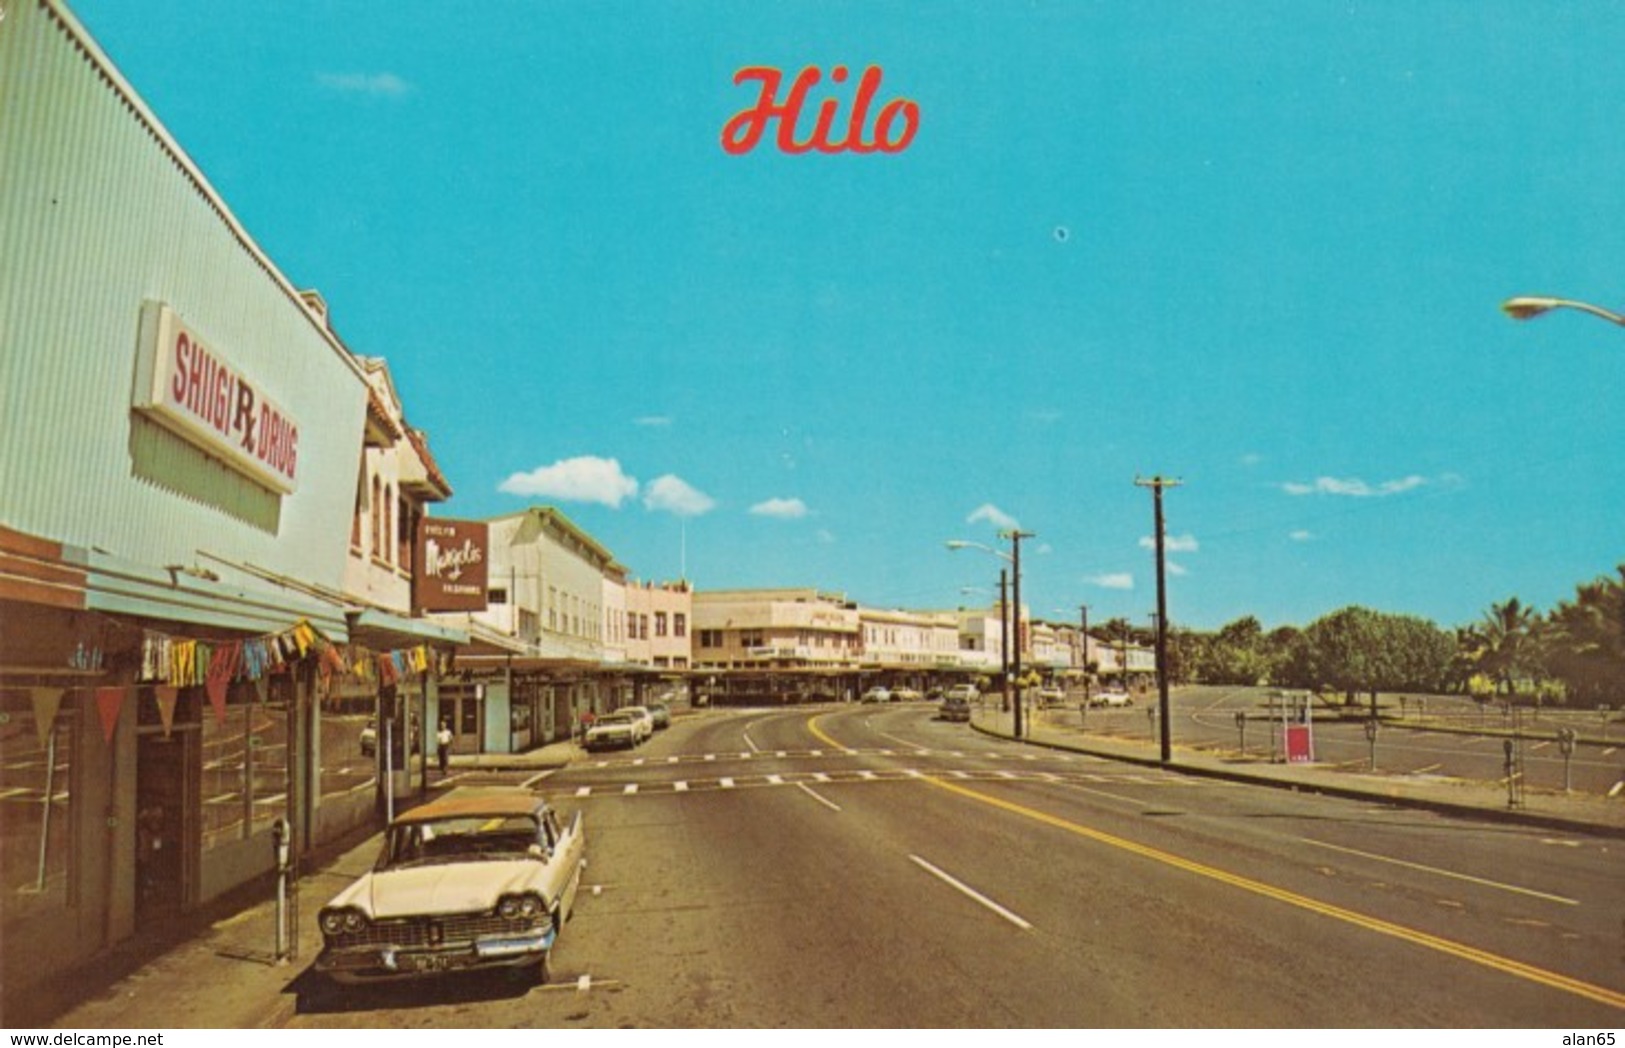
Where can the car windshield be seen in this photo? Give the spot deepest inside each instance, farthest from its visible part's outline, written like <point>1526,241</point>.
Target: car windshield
<point>459,839</point>
<point>615,718</point>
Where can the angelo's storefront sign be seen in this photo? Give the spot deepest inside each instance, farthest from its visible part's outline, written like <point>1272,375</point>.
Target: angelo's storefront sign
<point>186,385</point>
<point>452,565</point>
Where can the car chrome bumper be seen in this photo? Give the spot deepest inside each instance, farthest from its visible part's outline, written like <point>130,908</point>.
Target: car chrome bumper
<point>371,963</point>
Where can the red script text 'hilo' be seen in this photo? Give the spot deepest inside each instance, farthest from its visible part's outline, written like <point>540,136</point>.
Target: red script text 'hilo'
<point>894,128</point>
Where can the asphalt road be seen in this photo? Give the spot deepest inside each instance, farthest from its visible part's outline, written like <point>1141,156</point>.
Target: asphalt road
<point>871,867</point>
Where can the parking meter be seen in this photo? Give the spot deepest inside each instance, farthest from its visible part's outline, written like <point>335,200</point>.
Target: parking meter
<point>281,842</point>
<point>1566,738</point>
<point>1241,731</point>
<point>1371,737</point>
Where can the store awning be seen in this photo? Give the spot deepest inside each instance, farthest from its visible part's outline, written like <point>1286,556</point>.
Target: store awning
<point>382,630</point>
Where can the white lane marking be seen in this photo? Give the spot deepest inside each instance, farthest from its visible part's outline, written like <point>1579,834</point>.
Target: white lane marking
<point>775,780</point>
<point>1430,767</point>
<point>680,786</point>
<point>913,773</point>
<point>778,753</point>
<point>865,773</point>
<point>1006,774</point>
<point>972,893</point>
<point>1444,873</point>
<point>746,756</point>
<point>638,763</point>
<point>710,756</point>
<point>959,774</point>
<point>584,791</point>
<point>825,801</point>
<point>673,760</point>
<point>528,783</point>
<point>584,984</point>
<point>726,783</point>
<point>819,776</point>
<point>751,743</point>
<point>817,753</point>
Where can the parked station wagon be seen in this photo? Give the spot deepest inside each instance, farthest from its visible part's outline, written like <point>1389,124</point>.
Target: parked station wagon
<point>476,879</point>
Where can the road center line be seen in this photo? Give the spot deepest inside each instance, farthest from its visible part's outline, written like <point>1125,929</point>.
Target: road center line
<point>825,801</point>
<point>1472,954</point>
<point>1443,873</point>
<point>972,893</point>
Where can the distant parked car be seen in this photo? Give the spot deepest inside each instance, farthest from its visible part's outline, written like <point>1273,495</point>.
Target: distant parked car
<point>1051,696</point>
<point>905,695</point>
<point>620,728</point>
<point>876,694</point>
<point>475,879</point>
<point>1112,698</point>
<point>648,719</point>
<point>955,708</point>
<point>968,692</point>
<point>661,714</point>
<point>369,739</point>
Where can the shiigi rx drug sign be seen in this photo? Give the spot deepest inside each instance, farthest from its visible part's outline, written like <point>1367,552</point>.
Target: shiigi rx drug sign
<point>190,387</point>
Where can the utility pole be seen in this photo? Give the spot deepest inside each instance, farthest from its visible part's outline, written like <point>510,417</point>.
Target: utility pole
<point>1083,662</point>
<point>1156,484</point>
<point>1015,535</point>
<point>1004,640</point>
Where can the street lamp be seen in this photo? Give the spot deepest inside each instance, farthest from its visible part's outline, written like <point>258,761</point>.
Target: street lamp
<point>1015,535</point>
<point>1523,307</point>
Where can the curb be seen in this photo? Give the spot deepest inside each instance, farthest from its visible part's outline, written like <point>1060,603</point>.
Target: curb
<point>1466,811</point>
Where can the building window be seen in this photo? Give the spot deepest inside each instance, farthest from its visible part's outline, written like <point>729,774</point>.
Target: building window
<point>679,624</point>
<point>375,509</point>
<point>660,624</point>
<point>496,596</point>
<point>710,638</point>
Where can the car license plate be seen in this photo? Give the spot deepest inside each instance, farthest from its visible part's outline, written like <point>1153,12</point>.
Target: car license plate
<point>430,962</point>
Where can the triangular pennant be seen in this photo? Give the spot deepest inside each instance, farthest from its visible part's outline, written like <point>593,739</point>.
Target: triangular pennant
<point>108,703</point>
<point>167,697</point>
<point>46,702</point>
<point>262,689</point>
<point>222,664</point>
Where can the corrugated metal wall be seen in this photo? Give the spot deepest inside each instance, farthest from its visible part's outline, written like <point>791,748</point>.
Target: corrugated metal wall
<point>100,210</point>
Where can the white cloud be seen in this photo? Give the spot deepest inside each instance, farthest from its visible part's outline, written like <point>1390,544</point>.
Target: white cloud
<point>386,85</point>
<point>993,515</point>
<point>652,420</point>
<point>1121,580</point>
<point>1252,458</point>
<point>781,509</point>
<point>1354,486</point>
<point>1171,543</point>
<point>585,478</point>
<point>672,494</point>
<point>1177,569</point>
<point>1301,535</point>
<point>1045,548</point>
<point>825,537</point>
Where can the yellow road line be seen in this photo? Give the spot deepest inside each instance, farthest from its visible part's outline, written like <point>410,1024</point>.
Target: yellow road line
<point>812,726</point>
<point>1556,981</point>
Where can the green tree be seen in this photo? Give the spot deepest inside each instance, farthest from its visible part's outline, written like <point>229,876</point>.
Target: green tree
<point>1507,631</point>
<point>1585,646</point>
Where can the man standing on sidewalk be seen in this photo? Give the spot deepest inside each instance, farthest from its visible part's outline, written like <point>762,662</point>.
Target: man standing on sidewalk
<point>443,743</point>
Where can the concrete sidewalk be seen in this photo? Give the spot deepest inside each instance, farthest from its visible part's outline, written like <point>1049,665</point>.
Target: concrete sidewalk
<point>1571,812</point>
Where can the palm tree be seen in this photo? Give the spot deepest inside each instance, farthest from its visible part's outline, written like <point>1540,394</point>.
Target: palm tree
<point>1506,634</point>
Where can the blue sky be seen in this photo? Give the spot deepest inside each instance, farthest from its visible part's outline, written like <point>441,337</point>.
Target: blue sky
<point>1258,247</point>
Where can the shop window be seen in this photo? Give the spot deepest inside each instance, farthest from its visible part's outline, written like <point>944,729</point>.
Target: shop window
<point>245,765</point>
<point>375,510</point>
<point>34,844</point>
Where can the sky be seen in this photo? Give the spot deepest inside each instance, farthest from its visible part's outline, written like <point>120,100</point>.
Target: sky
<point>1255,247</point>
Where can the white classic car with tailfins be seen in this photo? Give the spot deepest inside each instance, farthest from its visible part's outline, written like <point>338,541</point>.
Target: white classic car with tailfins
<point>475,879</point>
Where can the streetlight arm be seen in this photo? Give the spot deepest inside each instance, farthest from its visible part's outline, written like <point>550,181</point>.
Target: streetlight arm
<point>1524,307</point>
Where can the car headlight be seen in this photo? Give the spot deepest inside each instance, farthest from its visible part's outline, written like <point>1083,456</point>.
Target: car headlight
<point>520,907</point>
<point>344,920</point>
